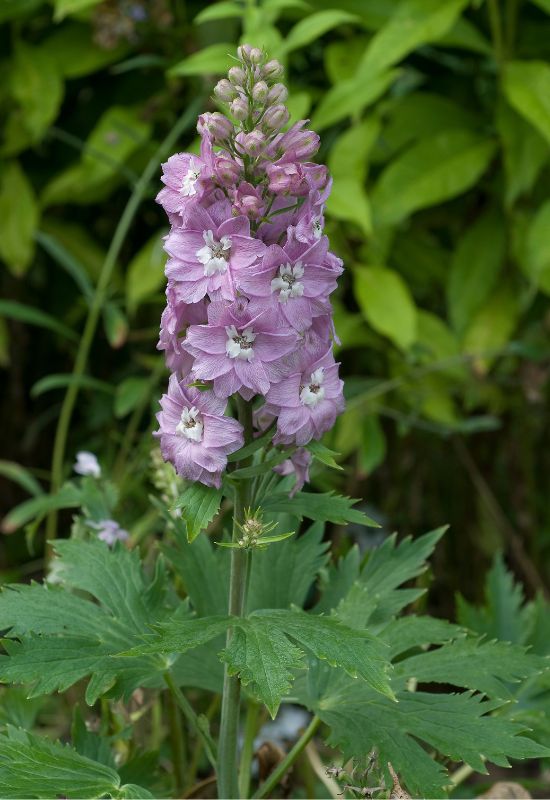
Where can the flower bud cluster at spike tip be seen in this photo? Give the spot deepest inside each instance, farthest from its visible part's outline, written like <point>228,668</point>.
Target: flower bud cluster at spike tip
<point>250,275</point>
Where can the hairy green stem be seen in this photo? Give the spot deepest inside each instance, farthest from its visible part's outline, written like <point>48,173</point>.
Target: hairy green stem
<point>179,758</point>
<point>250,728</point>
<point>94,312</point>
<point>192,719</point>
<point>227,773</point>
<point>280,770</point>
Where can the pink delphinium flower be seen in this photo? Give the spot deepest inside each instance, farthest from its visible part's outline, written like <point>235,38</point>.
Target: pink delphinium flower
<point>306,403</point>
<point>250,276</point>
<point>241,348</point>
<point>194,434</point>
<point>209,253</point>
<point>298,276</point>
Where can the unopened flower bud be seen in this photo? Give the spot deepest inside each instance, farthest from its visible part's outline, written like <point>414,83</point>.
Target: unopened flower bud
<point>227,170</point>
<point>256,55</point>
<point>225,91</point>
<point>277,94</point>
<point>244,51</point>
<point>275,117</point>
<point>272,70</point>
<point>239,108</point>
<point>253,143</point>
<point>218,126</point>
<point>237,76</point>
<point>259,92</point>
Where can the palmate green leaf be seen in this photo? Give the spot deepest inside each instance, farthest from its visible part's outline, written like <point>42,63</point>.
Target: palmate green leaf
<point>475,268</point>
<point>264,659</point>
<point>279,578</point>
<point>267,647</point>
<point>375,596</point>
<point>458,726</point>
<point>32,766</point>
<point>386,303</point>
<point>473,664</point>
<point>199,505</point>
<point>181,635</point>
<point>357,652</point>
<point>327,507</point>
<point>434,170</point>
<point>527,88</point>
<point>503,615</point>
<point>74,637</point>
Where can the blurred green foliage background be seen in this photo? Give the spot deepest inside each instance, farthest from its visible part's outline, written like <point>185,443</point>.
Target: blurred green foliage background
<point>435,123</point>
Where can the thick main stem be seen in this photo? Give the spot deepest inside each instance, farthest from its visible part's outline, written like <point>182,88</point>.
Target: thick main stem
<point>228,781</point>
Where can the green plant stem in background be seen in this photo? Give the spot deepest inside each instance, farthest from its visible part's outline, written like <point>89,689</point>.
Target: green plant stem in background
<point>179,758</point>
<point>227,773</point>
<point>182,124</point>
<point>192,719</point>
<point>280,770</point>
<point>495,22</point>
<point>250,729</point>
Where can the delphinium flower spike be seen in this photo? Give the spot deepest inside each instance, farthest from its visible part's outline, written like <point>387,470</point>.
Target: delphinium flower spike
<point>249,274</point>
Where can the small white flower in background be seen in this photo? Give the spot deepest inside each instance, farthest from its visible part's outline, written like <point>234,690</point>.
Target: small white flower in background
<point>109,531</point>
<point>87,464</point>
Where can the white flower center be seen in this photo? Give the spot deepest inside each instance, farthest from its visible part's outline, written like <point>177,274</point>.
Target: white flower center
<point>214,255</point>
<point>190,424</point>
<point>313,391</point>
<point>287,282</point>
<point>188,185</point>
<point>239,345</point>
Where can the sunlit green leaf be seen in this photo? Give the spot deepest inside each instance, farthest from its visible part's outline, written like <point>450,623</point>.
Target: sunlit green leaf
<point>527,87</point>
<point>211,60</point>
<point>386,304</point>
<point>18,218</point>
<point>436,169</point>
<point>314,26</point>
<point>475,267</point>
